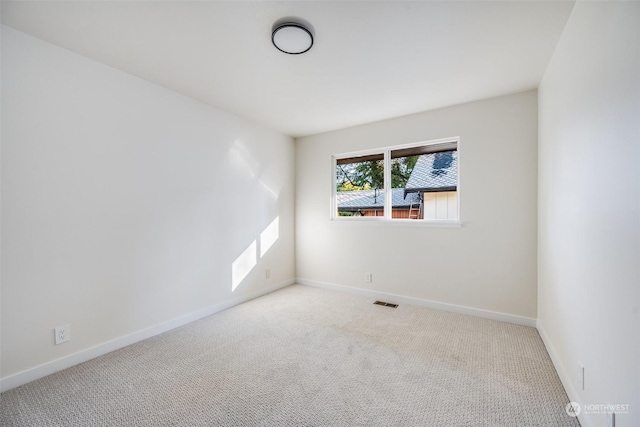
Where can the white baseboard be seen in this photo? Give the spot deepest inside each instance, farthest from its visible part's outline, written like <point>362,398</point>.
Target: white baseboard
<point>65,362</point>
<point>562,373</point>
<point>510,318</point>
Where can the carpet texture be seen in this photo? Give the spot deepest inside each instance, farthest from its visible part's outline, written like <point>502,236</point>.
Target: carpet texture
<point>303,356</point>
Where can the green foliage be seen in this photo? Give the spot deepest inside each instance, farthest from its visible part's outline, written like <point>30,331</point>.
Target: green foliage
<point>370,174</point>
<point>401,169</point>
<point>349,214</point>
<point>360,176</point>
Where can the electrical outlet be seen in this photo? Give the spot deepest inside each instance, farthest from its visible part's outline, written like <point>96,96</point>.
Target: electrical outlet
<point>611,419</point>
<point>368,278</point>
<point>267,273</point>
<point>62,334</point>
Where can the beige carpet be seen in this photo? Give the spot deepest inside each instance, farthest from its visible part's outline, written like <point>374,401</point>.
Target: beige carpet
<point>309,357</point>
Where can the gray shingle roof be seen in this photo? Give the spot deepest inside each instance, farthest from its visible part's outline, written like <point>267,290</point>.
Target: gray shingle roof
<point>367,199</point>
<point>435,171</point>
<point>432,172</point>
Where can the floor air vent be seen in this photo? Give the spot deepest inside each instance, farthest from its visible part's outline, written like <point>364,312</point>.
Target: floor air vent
<point>386,304</point>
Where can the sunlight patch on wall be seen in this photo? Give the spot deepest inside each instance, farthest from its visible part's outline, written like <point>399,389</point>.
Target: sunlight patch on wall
<point>248,259</point>
<point>243,265</point>
<point>269,189</point>
<point>242,159</point>
<point>269,236</point>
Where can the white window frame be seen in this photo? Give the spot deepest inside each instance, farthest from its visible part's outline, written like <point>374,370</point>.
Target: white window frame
<point>387,218</point>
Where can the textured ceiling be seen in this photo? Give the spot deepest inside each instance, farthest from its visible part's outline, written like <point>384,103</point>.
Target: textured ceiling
<point>370,61</point>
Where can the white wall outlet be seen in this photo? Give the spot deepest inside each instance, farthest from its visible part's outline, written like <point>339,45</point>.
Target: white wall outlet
<point>581,373</point>
<point>267,273</point>
<point>62,334</point>
<point>368,278</point>
<point>611,419</point>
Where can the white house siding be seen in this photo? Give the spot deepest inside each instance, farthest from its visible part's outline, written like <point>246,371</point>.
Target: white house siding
<point>443,205</point>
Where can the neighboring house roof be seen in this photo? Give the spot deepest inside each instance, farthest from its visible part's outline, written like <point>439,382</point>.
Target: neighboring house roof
<point>434,172</point>
<point>350,201</point>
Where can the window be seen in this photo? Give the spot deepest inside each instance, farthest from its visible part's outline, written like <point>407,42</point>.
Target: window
<point>360,185</point>
<point>422,180</point>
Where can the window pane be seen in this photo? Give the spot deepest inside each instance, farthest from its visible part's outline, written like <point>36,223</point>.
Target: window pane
<point>425,185</point>
<point>360,186</point>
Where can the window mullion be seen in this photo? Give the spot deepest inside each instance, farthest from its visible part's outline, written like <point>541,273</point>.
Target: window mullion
<point>388,192</point>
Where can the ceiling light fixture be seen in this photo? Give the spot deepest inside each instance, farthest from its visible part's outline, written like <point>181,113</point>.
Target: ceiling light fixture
<point>292,38</point>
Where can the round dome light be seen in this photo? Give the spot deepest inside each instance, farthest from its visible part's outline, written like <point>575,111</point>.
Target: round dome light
<point>292,38</point>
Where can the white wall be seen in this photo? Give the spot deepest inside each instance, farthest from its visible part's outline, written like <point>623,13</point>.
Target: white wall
<point>124,204</point>
<point>489,263</point>
<point>589,207</point>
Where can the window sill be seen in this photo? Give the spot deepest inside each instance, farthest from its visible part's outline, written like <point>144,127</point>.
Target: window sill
<point>400,222</point>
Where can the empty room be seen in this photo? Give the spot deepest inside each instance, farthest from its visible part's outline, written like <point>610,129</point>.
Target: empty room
<point>320,213</point>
